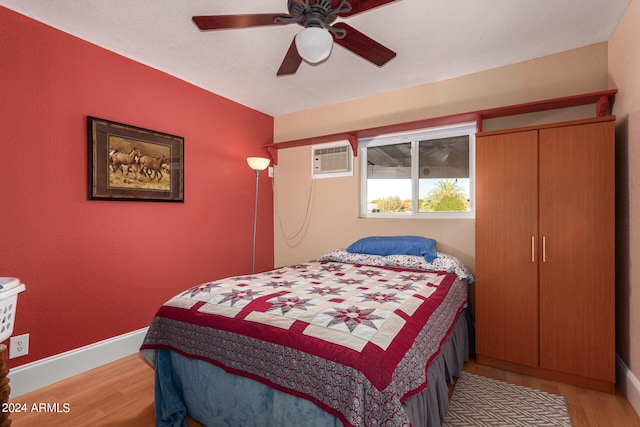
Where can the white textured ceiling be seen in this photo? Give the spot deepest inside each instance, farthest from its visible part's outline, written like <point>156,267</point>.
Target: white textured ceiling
<point>434,40</point>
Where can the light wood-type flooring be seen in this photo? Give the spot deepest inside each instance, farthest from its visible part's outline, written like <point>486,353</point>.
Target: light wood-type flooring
<point>121,394</point>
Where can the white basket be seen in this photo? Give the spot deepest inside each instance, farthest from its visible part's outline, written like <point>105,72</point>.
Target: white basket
<point>11,287</point>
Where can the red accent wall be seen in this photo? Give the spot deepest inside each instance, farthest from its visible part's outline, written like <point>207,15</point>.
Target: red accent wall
<point>97,269</point>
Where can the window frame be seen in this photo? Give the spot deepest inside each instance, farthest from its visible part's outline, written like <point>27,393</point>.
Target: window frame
<point>414,137</point>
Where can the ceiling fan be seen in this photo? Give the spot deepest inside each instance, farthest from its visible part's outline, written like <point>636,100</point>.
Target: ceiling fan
<point>314,42</point>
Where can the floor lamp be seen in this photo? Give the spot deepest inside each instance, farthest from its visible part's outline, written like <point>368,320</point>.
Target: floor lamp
<point>258,164</point>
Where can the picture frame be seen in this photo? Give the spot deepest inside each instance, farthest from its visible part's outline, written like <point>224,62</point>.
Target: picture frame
<point>134,164</point>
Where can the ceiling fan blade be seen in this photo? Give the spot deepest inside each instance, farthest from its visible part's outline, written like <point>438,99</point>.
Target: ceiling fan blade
<point>291,61</point>
<point>359,6</point>
<point>221,22</point>
<point>364,46</point>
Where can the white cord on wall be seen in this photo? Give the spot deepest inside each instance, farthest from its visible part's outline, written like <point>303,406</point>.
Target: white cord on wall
<point>307,213</point>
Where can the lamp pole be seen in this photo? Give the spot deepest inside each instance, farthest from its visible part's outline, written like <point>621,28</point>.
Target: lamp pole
<point>255,226</point>
<point>258,164</point>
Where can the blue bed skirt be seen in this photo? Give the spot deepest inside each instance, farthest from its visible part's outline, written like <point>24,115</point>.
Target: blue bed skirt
<point>196,389</point>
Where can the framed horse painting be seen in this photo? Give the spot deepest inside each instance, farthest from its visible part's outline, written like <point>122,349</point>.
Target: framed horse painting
<point>131,163</point>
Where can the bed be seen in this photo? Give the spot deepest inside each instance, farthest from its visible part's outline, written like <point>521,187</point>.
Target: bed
<point>351,339</point>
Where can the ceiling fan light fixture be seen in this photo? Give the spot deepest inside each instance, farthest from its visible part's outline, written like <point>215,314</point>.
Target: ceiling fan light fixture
<point>314,44</point>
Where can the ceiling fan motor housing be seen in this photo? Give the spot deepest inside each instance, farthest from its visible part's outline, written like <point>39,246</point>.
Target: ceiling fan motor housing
<point>320,14</point>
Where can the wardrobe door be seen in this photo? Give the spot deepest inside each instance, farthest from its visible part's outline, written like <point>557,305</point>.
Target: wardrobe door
<point>577,269</point>
<point>506,244</point>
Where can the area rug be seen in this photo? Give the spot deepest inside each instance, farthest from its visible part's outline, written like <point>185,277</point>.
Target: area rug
<point>480,401</point>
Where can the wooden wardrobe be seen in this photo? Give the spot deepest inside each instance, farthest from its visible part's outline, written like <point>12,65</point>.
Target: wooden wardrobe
<point>545,282</point>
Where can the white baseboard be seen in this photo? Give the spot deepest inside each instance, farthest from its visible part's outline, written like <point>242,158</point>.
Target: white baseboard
<point>43,372</point>
<point>628,383</point>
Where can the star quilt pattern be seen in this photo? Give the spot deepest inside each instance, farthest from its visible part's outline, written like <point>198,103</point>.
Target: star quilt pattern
<point>355,339</point>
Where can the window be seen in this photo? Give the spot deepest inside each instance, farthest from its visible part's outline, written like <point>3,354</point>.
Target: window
<point>427,173</point>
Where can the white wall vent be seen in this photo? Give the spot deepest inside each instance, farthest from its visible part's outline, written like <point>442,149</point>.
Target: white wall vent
<point>331,160</point>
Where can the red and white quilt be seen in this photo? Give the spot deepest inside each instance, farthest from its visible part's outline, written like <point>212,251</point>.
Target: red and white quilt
<point>354,339</point>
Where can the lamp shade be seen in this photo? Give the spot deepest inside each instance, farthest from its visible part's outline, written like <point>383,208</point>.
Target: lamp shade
<point>314,44</point>
<point>258,163</point>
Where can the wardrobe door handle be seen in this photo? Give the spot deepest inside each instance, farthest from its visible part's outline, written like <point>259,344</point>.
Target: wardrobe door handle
<point>533,249</point>
<point>544,248</point>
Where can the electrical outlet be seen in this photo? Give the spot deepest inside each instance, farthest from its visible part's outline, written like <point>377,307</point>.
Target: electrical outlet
<point>270,171</point>
<point>19,346</point>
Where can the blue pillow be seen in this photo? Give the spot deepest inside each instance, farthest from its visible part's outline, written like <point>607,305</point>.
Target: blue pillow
<point>395,245</point>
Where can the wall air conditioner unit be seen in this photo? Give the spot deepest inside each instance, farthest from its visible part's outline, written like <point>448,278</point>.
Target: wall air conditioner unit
<point>331,160</point>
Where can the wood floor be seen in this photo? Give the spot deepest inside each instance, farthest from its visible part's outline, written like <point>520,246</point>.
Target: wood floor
<point>121,394</point>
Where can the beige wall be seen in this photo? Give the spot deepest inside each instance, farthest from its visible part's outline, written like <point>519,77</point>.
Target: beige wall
<point>569,73</point>
<point>331,220</point>
<point>314,216</point>
<point>624,68</point>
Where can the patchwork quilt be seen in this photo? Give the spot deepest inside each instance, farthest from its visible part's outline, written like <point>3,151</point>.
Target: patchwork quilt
<point>354,339</point>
